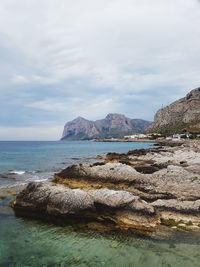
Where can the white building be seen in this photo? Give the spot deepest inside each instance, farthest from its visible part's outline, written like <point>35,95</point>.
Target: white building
<point>136,136</point>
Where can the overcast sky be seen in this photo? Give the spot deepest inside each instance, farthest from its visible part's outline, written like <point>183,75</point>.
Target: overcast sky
<point>60,59</point>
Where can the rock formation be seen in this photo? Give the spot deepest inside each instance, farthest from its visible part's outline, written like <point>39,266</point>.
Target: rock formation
<point>141,190</point>
<point>183,114</point>
<point>114,125</point>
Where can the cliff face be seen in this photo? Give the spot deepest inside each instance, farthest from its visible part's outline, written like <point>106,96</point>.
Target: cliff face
<point>181,114</point>
<point>79,128</point>
<point>114,125</point>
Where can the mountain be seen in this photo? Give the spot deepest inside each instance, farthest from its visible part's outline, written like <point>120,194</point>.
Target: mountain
<point>114,125</point>
<point>182,115</point>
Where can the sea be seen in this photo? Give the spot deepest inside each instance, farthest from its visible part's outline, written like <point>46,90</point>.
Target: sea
<point>31,242</point>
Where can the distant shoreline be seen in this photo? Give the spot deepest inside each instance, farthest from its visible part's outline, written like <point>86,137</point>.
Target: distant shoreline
<point>125,140</point>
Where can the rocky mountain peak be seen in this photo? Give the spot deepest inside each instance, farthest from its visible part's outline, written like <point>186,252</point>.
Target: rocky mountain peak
<point>193,94</point>
<point>79,120</point>
<point>112,116</point>
<point>117,120</point>
<point>114,125</point>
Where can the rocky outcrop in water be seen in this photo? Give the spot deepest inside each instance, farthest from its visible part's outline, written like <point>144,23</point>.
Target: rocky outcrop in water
<point>140,190</point>
<point>114,125</point>
<point>183,114</point>
<point>120,207</point>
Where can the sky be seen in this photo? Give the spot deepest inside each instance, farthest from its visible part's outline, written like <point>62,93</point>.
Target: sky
<point>61,59</point>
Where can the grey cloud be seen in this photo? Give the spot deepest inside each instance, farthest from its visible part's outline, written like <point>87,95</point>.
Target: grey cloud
<point>64,59</point>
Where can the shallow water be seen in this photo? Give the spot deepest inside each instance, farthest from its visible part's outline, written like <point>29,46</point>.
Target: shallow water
<point>26,242</point>
<point>31,243</point>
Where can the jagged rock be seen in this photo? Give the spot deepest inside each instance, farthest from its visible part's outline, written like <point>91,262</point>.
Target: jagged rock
<point>114,125</point>
<point>59,200</point>
<point>109,172</point>
<point>181,114</point>
<point>152,175</point>
<point>110,190</point>
<point>79,128</point>
<point>121,199</point>
<point>177,205</point>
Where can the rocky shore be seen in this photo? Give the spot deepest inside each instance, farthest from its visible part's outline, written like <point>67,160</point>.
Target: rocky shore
<point>141,190</point>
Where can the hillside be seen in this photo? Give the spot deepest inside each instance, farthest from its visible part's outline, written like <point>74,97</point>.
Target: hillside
<point>182,115</point>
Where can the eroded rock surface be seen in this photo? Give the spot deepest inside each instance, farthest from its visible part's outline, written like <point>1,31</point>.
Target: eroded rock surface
<point>181,114</point>
<point>139,190</point>
<point>120,207</point>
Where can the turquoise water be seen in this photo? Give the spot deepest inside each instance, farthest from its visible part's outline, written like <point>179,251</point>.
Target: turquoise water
<point>26,242</point>
<point>25,161</point>
<point>31,243</point>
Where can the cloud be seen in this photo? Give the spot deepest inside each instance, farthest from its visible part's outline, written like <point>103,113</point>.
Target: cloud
<point>98,109</point>
<point>32,79</point>
<point>30,133</point>
<point>63,59</point>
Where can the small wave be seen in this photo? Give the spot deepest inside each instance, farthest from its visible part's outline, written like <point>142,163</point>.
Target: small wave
<point>38,171</point>
<point>42,180</point>
<point>17,172</point>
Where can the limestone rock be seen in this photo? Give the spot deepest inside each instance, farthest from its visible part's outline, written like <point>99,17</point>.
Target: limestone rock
<point>122,193</point>
<point>114,125</point>
<point>112,172</point>
<point>177,205</point>
<point>183,113</point>
<point>59,200</point>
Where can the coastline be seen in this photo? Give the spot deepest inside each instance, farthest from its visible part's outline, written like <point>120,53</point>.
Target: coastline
<point>142,190</point>
<point>110,140</point>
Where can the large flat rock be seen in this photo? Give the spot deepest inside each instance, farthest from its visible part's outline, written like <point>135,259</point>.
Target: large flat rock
<point>149,187</point>
<point>59,200</point>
